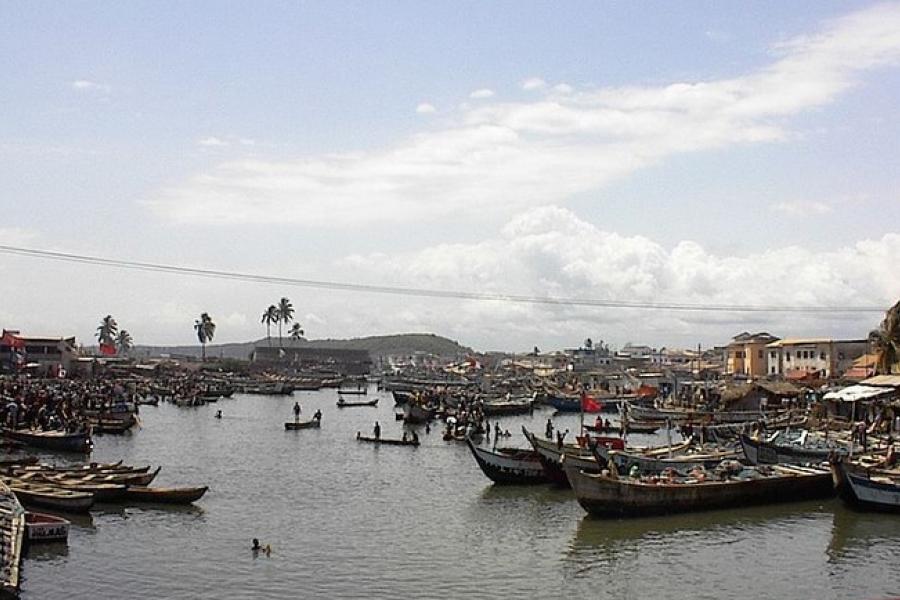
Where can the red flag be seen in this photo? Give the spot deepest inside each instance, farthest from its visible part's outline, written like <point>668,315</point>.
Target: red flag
<point>590,405</point>
<point>107,349</point>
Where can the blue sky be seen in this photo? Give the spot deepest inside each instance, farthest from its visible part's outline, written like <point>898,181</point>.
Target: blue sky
<point>705,152</point>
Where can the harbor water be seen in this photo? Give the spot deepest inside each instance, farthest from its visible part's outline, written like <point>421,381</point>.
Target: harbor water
<point>346,519</point>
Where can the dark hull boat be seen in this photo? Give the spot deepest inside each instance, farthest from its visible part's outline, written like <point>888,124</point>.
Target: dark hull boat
<point>866,489</point>
<point>550,455</point>
<point>760,452</point>
<point>386,441</point>
<point>624,460</point>
<point>293,425</point>
<point>341,403</point>
<point>418,414</point>
<point>509,466</point>
<point>52,440</point>
<point>612,496</point>
<point>185,495</point>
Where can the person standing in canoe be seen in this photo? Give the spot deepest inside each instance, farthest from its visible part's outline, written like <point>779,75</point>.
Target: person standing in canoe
<point>377,431</point>
<point>296,412</point>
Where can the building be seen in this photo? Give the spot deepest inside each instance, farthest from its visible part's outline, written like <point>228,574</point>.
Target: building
<point>46,355</point>
<point>746,354</point>
<point>821,357</point>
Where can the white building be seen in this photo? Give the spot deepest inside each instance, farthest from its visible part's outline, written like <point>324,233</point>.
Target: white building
<point>826,358</point>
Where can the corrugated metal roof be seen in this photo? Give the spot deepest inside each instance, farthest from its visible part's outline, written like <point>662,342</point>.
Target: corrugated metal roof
<point>858,392</point>
<point>802,341</point>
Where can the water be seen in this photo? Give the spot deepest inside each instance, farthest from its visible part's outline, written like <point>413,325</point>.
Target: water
<point>351,520</point>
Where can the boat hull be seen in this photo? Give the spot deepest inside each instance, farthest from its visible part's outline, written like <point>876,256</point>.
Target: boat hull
<point>860,492</point>
<point>293,426</point>
<point>40,527</point>
<point>523,468</point>
<point>59,441</point>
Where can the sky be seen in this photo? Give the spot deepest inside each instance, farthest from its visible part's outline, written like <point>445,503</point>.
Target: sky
<point>702,153</point>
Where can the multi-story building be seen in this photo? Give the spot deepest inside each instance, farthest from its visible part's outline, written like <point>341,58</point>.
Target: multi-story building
<point>46,354</point>
<point>746,354</point>
<point>822,357</point>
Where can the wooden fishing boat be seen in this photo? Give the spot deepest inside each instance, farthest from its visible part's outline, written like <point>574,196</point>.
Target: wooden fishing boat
<point>160,495</point>
<point>564,403</point>
<point>103,492</point>
<point>41,527</point>
<point>131,479</point>
<point>550,454</point>
<point>90,468</point>
<point>62,441</point>
<point>499,408</point>
<point>49,496</point>
<point>608,495</point>
<point>402,397</point>
<point>683,415</point>
<point>759,452</point>
<point>509,466</point>
<point>680,461</point>
<point>12,536</point>
<point>415,413</point>
<point>345,404</point>
<point>386,441</point>
<point>293,425</point>
<point>866,488</point>
<point>112,426</point>
<point>357,391</point>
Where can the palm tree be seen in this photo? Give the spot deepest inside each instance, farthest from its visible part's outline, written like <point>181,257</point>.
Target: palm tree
<point>206,329</point>
<point>124,342</point>
<point>106,333</point>
<point>285,315</point>
<point>887,340</point>
<point>296,332</point>
<point>269,316</point>
<point>588,344</point>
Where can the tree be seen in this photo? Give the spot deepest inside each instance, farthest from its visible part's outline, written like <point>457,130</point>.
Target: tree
<point>206,330</point>
<point>537,351</point>
<point>887,340</point>
<point>269,316</point>
<point>588,344</point>
<point>285,315</point>
<point>124,343</point>
<point>106,333</point>
<point>296,332</point>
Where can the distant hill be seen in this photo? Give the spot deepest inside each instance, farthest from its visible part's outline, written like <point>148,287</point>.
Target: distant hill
<point>378,346</point>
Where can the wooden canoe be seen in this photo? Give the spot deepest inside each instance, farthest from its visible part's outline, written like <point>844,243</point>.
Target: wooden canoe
<point>311,424</point>
<point>386,441</point>
<point>52,440</point>
<point>49,496</point>
<point>161,495</point>
<point>41,527</point>
<point>344,404</point>
<point>509,466</point>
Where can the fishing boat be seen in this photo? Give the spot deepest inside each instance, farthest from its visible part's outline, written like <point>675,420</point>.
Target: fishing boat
<point>685,415</point>
<point>866,488</point>
<point>416,413</point>
<point>49,496</point>
<point>345,404</point>
<point>515,406</point>
<point>386,441</point>
<point>112,426</point>
<point>402,397</point>
<point>293,425</point>
<point>63,441</point>
<point>609,495</point>
<point>680,461</point>
<point>509,466</point>
<point>564,403</point>
<point>103,492</point>
<point>41,527</point>
<point>353,391</point>
<point>759,452</point>
<point>161,495</point>
<point>131,479</point>
<point>550,454</point>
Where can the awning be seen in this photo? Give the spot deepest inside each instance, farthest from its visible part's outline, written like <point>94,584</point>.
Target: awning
<point>854,393</point>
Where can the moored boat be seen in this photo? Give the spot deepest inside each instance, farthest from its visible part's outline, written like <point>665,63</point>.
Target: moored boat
<point>345,404</point>
<point>41,527</point>
<point>12,536</point>
<point>79,441</point>
<point>509,466</point>
<point>866,488</point>
<point>165,495</point>
<point>759,452</point>
<point>49,496</point>
<point>608,495</point>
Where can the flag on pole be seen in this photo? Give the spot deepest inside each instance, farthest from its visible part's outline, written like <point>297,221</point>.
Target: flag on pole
<point>107,349</point>
<point>589,404</point>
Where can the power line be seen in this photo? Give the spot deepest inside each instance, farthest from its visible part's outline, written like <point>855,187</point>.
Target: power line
<point>422,292</point>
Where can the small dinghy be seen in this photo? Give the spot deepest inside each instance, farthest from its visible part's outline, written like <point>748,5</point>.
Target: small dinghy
<point>41,527</point>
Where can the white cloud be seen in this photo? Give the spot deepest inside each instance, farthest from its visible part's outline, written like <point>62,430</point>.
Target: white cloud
<point>563,88</point>
<point>425,108</point>
<point>550,252</point>
<point>17,236</point>
<point>802,208</point>
<point>212,141</point>
<point>85,85</point>
<point>500,157</point>
<point>534,83</point>
<point>482,93</point>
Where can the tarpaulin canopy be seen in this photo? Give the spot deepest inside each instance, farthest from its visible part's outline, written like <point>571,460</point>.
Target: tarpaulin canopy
<point>857,392</point>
